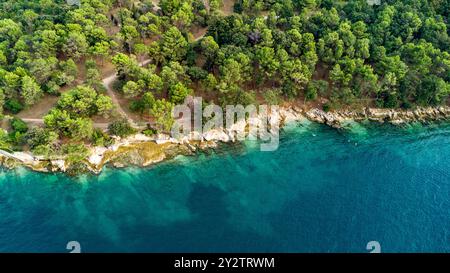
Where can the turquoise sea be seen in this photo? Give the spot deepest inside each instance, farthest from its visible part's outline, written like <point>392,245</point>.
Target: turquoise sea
<point>323,190</point>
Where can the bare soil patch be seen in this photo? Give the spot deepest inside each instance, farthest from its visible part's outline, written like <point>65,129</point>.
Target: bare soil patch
<point>40,109</point>
<point>227,7</point>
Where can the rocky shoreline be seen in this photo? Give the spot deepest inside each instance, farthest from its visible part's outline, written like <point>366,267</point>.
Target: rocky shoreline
<point>142,150</point>
<point>337,118</point>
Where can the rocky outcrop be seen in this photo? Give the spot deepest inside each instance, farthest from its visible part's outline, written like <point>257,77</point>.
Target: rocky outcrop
<point>293,114</point>
<point>142,150</point>
<point>337,118</point>
<point>216,135</point>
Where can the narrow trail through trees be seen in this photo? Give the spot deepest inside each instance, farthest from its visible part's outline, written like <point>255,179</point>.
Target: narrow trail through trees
<point>107,82</point>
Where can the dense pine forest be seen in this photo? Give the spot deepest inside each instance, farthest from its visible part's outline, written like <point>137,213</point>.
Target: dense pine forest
<point>55,58</point>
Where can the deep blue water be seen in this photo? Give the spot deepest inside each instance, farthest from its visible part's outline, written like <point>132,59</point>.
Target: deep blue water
<point>323,190</point>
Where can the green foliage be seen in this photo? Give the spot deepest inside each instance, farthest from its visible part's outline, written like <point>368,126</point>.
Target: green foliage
<point>2,101</point>
<point>316,88</point>
<point>173,45</point>
<point>209,47</point>
<point>100,138</point>
<point>391,55</point>
<point>432,91</point>
<point>84,101</point>
<point>125,66</point>
<point>148,100</point>
<point>149,132</point>
<point>173,73</point>
<point>132,89</point>
<point>100,49</point>
<point>326,107</point>
<point>74,127</point>
<point>75,44</point>
<point>178,93</point>
<point>144,104</point>
<point>74,153</point>
<point>18,125</point>
<point>41,140</point>
<point>31,91</point>
<point>18,130</point>
<point>311,92</point>
<point>4,140</point>
<point>209,83</point>
<point>14,106</point>
<point>272,96</point>
<point>121,128</point>
<point>69,72</point>
<point>196,73</point>
<point>104,105</point>
<point>162,111</point>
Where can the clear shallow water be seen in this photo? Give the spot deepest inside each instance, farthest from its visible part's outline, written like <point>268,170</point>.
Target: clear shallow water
<point>321,191</point>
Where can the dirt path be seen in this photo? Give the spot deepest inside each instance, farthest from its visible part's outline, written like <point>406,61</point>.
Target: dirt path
<point>156,4</point>
<point>42,107</point>
<point>39,109</point>
<point>227,7</point>
<point>199,33</point>
<point>206,4</point>
<point>107,82</point>
<point>39,121</point>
